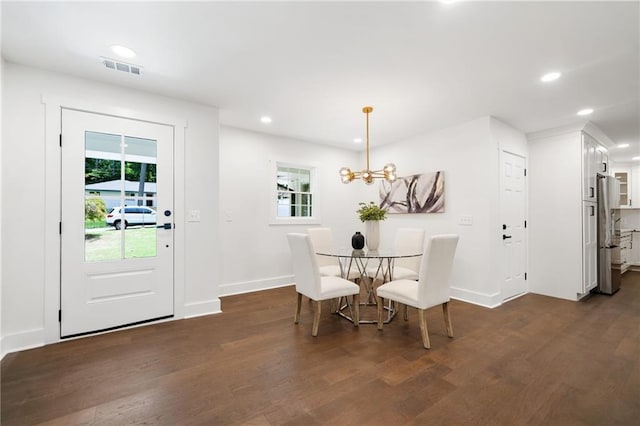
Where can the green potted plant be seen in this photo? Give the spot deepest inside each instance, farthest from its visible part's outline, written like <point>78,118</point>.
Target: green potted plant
<point>371,211</point>
<point>371,214</point>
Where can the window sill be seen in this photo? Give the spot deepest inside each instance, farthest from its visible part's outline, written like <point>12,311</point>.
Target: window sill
<point>295,221</point>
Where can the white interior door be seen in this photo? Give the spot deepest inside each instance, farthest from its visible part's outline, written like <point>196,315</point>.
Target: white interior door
<point>513,207</point>
<point>115,273</point>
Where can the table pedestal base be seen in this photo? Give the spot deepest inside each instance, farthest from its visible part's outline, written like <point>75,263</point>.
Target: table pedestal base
<point>343,308</point>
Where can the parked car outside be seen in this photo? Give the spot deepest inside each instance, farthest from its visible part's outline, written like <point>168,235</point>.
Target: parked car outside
<point>133,215</point>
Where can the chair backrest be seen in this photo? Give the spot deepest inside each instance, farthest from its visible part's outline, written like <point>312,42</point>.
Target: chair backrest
<point>409,240</point>
<point>305,267</point>
<point>322,240</point>
<point>437,261</point>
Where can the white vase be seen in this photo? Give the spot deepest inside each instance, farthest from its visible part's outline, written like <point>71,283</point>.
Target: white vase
<point>372,234</point>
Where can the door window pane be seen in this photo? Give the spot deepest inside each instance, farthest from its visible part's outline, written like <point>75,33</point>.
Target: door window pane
<point>102,171</point>
<point>140,172</point>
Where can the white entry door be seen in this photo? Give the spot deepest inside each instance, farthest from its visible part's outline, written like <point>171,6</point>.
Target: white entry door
<point>117,222</point>
<point>513,208</point>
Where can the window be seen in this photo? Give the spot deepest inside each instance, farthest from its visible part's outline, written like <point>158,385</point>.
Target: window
<point>295,198</point>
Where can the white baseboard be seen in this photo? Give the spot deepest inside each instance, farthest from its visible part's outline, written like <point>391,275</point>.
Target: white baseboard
<point>482,299</point>
<point>21,341</point>
<point>198,309</point>
<point>35,338</point>
<point>249,286</point>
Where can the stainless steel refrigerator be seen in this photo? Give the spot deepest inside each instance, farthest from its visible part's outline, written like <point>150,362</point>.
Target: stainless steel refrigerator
<point>608,224</point>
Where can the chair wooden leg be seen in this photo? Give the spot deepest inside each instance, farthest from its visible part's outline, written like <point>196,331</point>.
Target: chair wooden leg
<point>356,310</point>
<point>316,318</point>
<point>296,316</point>
<point>447,319</point>
<point>422,315</point>
<point>380,303</point>
<point>405,312</point>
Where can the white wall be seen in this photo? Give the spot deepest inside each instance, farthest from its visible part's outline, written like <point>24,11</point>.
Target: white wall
<point>255,255</point>
<point>555,213</point>
<point>468,156</point>
<point>23,189</point>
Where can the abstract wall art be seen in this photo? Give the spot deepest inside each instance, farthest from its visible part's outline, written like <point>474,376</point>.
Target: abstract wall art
<point>423,193</point>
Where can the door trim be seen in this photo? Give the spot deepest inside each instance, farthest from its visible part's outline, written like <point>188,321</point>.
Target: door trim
<point>53,189</point>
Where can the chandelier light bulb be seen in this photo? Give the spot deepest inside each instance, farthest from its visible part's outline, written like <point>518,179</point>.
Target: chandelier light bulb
<point>390,176</point>
<point>346,175</point>
<point>367,177</point>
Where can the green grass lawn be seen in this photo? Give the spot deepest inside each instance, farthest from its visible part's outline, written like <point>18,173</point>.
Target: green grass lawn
<point>102,244</point>
<point>90,224</point>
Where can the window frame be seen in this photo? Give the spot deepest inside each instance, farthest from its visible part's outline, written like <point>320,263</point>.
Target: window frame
<point>274,219</point>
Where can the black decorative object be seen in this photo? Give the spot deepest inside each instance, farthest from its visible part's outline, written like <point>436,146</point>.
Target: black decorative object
<point>357,241</point>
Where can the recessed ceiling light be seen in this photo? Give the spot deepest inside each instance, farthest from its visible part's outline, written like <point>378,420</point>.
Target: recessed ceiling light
<point>447,1</point>
<point>623,145</point>
<point>585,111</point>
<point>358,140</point>
<point>635,158</point>
<point>550,77</point>
<point>265,119</point>
<point>123,52</point>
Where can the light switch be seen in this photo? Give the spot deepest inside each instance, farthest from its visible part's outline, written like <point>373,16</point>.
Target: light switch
<point>228,216</point>
<point>465,220</point>
<point>194,216</point>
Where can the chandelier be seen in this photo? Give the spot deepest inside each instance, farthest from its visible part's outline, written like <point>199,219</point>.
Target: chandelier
<point>388,172</point>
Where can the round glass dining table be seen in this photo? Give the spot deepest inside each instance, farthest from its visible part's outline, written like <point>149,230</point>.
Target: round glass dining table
<point>370,265</point>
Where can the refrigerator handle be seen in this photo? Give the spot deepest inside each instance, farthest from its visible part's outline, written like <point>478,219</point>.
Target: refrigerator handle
<point>604,165</point>
<point>593,211</point>
<point>592,192</point>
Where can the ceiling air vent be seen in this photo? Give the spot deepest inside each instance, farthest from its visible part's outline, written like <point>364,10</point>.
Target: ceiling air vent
<point>112,64</point>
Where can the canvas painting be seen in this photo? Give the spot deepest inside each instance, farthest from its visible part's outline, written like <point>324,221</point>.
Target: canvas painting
<point>423,193</point>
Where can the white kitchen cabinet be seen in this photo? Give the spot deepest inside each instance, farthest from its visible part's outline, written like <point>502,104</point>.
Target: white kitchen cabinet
<point>563,251</point>
<point>625,178</point>
<point>595,160</point>
<point>602,161</point>
<point>589,246</point>
<point>589,166</point>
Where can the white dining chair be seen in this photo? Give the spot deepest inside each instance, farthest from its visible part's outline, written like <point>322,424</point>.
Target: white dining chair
<point>407,240</point>
<point>431,289</point>
<point>311,284</point>
<point>322,240</point>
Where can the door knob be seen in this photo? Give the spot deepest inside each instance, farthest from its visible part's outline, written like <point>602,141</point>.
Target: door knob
<point>504,237</point>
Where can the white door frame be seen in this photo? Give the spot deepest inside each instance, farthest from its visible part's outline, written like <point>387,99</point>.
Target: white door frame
<point>525,236</point>
<point>53,189</point>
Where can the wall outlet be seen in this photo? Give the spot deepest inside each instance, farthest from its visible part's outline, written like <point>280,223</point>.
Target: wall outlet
<point>228,216</point>
<point>465,220</point>
<point>194,216</point>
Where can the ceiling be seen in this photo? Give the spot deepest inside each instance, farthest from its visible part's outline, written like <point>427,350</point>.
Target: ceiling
<point>312,66</point>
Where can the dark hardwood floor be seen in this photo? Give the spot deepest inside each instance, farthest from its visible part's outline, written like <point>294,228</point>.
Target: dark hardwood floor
<point>536,360</point>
